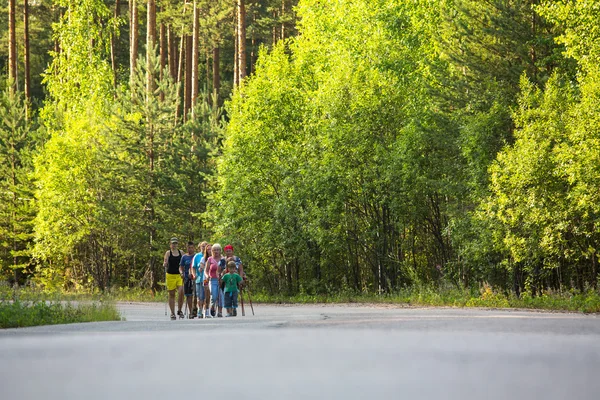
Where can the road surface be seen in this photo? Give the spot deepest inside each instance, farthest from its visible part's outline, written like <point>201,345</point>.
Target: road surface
<point>306,352</point>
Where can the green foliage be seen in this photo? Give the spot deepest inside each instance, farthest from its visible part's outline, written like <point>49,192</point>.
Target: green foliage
<point>390,145</point>
<point>30,307</point>
<point>333,157</point>
<point>428,296</point>
<point>19,314</point>
<point>17,146</point>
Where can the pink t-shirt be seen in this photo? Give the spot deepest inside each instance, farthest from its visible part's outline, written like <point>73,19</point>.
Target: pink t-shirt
<point>213,267</point>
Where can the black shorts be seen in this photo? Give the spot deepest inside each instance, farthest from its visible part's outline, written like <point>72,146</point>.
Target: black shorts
<point>188,287</point>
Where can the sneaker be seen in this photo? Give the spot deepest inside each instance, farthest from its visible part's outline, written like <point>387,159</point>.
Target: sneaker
<point>228,315</point>
<point>220,315</point>
<point>173,317</point>
<point>200,316</point>
<point>212,312</point>
<point>207,315</point>
<point>180,314</point>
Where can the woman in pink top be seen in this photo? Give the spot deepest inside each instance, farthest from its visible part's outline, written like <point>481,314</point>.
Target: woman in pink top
<point>213,270</point>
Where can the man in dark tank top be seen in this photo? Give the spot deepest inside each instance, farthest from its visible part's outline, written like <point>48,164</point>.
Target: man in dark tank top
<point>174,278</point>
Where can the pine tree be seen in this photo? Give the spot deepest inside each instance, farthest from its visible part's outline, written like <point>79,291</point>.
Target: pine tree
<point>17,142</point>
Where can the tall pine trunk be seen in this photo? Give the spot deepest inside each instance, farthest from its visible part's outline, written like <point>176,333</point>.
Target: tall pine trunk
<point>163,50</point>
<point>195,48</point>
<point>172,52</point>
<point>113,50</point>
<point>253,46</point>
<point>241,40</point>
<point>133,44</point>
<point>274,28</point>
<point>282,19</point>
<point>150,56</point>
<point>180,60</point>
<point>188,77</point>
<point>26,76</point>
<point>236,37</point>
<point>216,75</point>
<point>12,47</point>
<point>150,47</point>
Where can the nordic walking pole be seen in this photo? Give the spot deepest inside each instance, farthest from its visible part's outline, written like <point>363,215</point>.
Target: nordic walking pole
<point>186,307</point>
<point>250,298</point>
<point>185,299</point>
<point>242,300</point>
<point>167,292</point>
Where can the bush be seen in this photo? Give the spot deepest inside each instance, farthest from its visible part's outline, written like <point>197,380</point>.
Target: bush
<point>16,314</point>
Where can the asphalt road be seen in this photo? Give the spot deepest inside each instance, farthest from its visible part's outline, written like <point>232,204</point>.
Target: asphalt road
<point>304,352</point>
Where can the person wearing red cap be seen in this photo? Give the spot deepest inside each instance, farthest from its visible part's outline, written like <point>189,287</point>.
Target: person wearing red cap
<point>238,263</point>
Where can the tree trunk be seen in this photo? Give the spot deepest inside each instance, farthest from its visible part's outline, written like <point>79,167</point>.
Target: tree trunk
<point>172,53</point>
<point>113,38</point>
<point>208,71</point>
<point>150,48</point>
<point>282,19</point>
<point>163,55</point>
<point>27,77</point>
<point>274,28</point>
<point>188,77</point>
<point>216,75</point>
<point>180,74</point>
<point>56,43</point>
<point>253,46</point>
<point>12,47</point>
<point>133,39</point>
<point>236,46</point>
<point>194,66</point>
<point>241,40</point>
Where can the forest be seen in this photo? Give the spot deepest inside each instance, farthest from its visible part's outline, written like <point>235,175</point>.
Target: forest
<point>360,146</point>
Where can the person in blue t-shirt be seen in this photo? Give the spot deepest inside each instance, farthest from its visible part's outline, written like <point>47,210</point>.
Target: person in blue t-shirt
<point>198,276</point>
<point>188,284</point>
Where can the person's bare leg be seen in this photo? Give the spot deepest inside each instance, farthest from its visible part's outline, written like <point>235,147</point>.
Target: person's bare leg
<point>206,304</point>
<point>180,297</point>
<point>172,301</point>
<point>199,304</point>
<point>189,303</point>
<point>221,300</point>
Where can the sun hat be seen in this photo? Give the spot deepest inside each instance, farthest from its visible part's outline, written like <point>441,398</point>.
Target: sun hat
<point>228,247</point>
<point>174,240</point>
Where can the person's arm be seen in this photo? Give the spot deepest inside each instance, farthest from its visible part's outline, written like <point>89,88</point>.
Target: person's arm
<point>206,268</point>
<point>241,270</point>
<point>181,265</point>
<point>166,261</point>
<point>220,269</point>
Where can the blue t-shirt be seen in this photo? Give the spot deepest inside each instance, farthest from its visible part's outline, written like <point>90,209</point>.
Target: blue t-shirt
<point>186,261</point>
<point>237,262</point>
<point>197,269</point>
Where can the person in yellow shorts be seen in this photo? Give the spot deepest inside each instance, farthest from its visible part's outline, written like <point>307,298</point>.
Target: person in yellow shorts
<point>174,277</point>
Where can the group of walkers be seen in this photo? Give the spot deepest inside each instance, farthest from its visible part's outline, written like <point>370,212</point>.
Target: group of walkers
<point>209,280</point>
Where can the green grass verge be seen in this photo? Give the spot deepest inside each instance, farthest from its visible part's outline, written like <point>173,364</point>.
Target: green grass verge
<point>588,302</point>
<point>16,314</point>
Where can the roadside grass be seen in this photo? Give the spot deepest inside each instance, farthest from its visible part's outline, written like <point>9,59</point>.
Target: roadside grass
<point>17,314</point>
<point>587,302</point>
<point>447,296</point>
<point>27,307</point>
